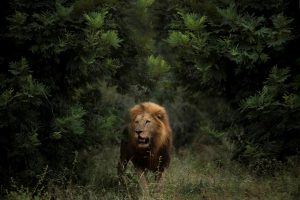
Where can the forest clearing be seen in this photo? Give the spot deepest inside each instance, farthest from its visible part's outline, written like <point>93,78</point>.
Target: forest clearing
<point>224,76</point>
<point>191,176</point>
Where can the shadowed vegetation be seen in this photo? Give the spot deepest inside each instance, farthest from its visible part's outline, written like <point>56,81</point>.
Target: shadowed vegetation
<point>226,71</point>
<point>191,176</point>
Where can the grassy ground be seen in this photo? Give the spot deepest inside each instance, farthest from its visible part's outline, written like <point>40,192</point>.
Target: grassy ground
<point>190,176</point>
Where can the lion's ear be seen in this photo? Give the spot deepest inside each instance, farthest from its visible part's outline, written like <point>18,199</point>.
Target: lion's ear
<point>160,115</point>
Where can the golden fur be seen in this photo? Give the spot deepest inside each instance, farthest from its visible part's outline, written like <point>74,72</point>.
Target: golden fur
<point>149,141</point>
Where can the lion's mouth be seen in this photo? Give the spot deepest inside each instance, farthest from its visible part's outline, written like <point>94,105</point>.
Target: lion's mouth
<point>143,141</point>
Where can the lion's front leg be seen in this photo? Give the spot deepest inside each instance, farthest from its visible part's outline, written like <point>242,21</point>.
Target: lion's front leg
<point>143,181</point>
<point>159,177</point>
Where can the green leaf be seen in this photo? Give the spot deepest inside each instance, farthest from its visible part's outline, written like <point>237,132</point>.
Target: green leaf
<point>142,4</point>
<point>259,101</point>
<point>111,38</point>
<point>178,39</point>
<point>6,97</point>
<point>73,122</point>
<point>229,14</point>
<point>193,22</point>
<point>95,19</point>
<point>56,135</point>
<point>157,66</point>
<point>18,68</point>
<point>63,12</point>
<point>278,76</point>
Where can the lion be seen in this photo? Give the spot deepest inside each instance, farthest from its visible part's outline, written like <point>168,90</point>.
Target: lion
<point>149,141</point>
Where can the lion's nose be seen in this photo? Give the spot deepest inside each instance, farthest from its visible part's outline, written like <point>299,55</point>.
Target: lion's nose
<point>138,132</point>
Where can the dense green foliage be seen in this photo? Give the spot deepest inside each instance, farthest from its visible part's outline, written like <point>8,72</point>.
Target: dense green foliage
<point>61,58</point>
<point>69,72</point>
<point>244,54</point>
<point>227,72</point>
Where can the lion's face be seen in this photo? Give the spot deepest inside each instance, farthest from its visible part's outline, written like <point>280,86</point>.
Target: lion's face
<point>143,129</point>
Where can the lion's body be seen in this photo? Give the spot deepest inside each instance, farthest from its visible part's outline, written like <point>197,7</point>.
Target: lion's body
<point>145,159</point>
<point>149,142</point>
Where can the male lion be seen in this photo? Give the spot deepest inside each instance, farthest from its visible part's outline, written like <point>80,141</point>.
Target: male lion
<point>149,142</point>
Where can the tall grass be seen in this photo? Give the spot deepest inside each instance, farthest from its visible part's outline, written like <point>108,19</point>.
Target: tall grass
<point>192,175</point>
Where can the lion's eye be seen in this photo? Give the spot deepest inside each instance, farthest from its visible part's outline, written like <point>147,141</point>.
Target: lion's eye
<point>147,121</point>
<point>136,122</point>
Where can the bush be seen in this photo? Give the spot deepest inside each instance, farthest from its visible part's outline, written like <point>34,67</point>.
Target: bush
<point>52,93</point>
<point>238,52</point>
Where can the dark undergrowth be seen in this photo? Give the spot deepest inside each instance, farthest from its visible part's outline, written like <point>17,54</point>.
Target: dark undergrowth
<point>192,175</point>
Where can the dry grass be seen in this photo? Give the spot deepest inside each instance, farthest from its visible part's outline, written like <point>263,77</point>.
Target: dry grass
<point>190,176</point>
